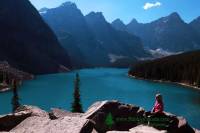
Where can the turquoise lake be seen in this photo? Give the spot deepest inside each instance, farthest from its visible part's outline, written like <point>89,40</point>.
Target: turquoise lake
<point>56,90</point>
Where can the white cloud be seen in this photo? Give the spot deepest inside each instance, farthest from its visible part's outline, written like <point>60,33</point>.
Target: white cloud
<point>151,5</point>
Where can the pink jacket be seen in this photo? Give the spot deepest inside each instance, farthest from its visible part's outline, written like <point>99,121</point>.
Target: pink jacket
<point>158,107</point>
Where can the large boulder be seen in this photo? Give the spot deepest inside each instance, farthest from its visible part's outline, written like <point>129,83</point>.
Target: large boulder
<point>146,129</point>
<point>34,110</point>
<point>101,117</point>
<point>9,121</point>
<point>37,124</point>
<point>56,113</point>
<point>170,122</point>
<point>196,131</point>
<point>113,115</point>
<point>140,129</point>
<point>31,119</point>
<point>183,126</point>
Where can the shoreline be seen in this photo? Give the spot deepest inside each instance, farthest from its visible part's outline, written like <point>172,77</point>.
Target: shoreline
<point>163,81</point>
<point>5,90</point>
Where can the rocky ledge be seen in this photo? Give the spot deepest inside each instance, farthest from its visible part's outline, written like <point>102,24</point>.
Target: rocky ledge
<point>101,117</point>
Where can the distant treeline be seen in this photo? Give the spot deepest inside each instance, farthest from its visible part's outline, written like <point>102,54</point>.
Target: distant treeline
<point>183,68</point>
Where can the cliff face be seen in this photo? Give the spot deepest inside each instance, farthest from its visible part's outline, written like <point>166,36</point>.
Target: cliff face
<point>101,117</point>
<point>27,43</point>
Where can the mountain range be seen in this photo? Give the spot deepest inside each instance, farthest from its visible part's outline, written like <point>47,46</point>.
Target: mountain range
<point>90,40</point>
<point>169,33</point>
<point>55,39</point>
<point>27,43</point>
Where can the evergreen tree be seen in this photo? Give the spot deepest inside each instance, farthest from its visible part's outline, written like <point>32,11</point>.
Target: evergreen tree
<point>76,105</point>
<point>15,98</point>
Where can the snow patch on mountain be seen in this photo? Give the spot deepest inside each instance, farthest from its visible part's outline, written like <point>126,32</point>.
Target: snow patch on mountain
<point>113,58</point>
<point>43,10</point>
<point>159,52</point>
<point>165,20</point>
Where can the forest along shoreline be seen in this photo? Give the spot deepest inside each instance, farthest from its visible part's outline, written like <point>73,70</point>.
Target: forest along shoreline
<point>182,69</point>
<point>165,81</point>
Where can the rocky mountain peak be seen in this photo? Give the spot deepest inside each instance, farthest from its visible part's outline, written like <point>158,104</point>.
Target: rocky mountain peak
<point>118,21</point>
<point>96,16</point>
<point>133,21</point>
<point>196,21</point>
<point>170,19</point>
<point>175,14</point>
<point>119,25</point>
<point>69,4</point>
<point>174,17</point>
<point>63,8</point>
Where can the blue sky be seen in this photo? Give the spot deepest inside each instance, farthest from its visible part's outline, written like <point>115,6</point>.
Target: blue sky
<point>142,10</point>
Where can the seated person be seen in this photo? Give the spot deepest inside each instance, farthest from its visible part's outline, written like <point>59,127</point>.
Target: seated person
<point>158,106</point>
<point>158,118</point>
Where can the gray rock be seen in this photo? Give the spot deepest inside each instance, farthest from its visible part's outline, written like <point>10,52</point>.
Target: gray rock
<point>45,125</point>
<point>35,111</point>
<point>101,117</point>
<point>118,132</point>
<point>145,129</point>
<point>94,131</point>
<point>113,115</point>
<point>59,113</point>
<point>140,129</point>
<point>7,122</point>
<point>88,127</point>
<point>196,131</point>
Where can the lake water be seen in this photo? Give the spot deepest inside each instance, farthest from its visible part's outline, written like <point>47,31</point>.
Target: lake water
<point>56,90</point>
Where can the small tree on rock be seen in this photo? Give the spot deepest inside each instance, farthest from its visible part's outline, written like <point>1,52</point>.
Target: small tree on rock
<point>76,105</point>
<point>15,98</point>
